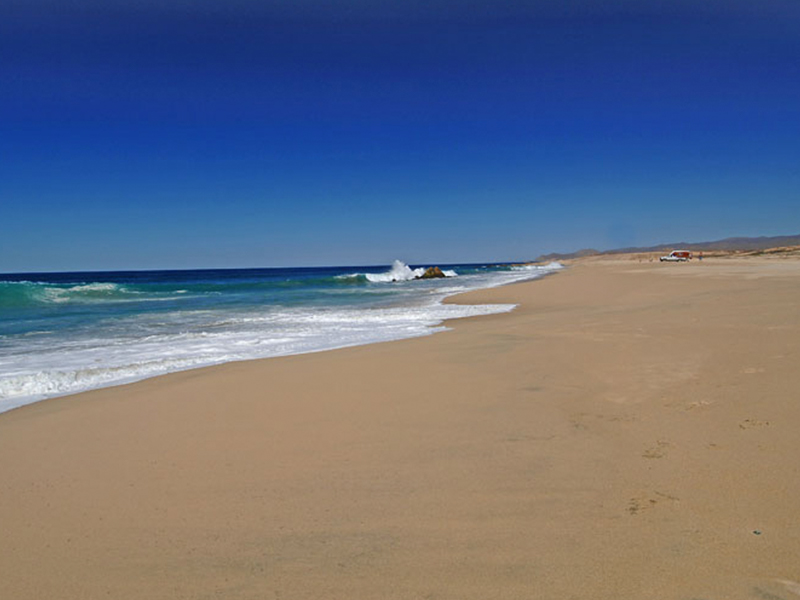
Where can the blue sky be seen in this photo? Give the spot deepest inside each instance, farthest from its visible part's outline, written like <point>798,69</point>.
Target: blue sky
<point>178,134</point>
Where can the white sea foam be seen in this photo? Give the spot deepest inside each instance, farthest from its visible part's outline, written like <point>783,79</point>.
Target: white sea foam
<point>401,272</point>
<point>88,364</point>
<point>551,266</point>
<point>146,345</point>
<point>82,293</point>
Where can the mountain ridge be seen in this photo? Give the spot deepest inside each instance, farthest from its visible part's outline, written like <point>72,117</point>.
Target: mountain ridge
<point>730,244</point>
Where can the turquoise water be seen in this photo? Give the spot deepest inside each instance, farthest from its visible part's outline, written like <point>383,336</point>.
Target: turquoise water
<point>62,333</point>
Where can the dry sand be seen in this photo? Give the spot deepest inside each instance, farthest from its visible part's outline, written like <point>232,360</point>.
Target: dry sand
<point>630,431</point>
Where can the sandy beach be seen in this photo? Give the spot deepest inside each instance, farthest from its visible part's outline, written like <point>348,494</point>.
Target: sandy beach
<point>629,431</point>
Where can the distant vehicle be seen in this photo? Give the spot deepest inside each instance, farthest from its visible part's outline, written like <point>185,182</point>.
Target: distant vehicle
<point>677,256</point>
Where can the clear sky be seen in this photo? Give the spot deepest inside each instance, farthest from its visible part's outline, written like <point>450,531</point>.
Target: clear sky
<point>199,133</point>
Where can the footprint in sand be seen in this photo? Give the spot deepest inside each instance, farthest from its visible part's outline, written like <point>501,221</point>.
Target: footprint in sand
<point>750,423</point>
<point>637,505</point>
<point>698,404</point>
<point>644,502</point>
<point>657,451</point>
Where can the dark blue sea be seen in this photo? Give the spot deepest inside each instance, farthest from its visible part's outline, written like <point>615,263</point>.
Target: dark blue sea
<point>62,333</point>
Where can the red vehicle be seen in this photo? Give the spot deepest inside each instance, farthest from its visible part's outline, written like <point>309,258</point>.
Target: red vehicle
<point>677,256</point>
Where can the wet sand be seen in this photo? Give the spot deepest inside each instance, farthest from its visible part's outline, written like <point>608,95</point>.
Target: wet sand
<point>629,431</point>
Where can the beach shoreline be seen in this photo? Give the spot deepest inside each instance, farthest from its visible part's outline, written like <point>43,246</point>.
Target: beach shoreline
<point>623,433</point>
<point>73,332</point>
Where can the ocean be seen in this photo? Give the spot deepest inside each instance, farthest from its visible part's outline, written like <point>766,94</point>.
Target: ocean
<point>62,333</point>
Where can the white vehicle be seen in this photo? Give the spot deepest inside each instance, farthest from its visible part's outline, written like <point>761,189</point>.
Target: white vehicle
<point>677,256</point>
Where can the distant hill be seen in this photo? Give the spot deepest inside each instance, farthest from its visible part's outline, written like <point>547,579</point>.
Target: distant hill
<point>726,245</point>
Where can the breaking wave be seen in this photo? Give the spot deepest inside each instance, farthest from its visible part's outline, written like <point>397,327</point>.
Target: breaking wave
<point>14,294</point>
<point>401,272</point>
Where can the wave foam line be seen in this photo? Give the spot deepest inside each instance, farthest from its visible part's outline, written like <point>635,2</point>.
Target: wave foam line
<point>298,332</point>
<point>117,360</point>
<point>401,272</point>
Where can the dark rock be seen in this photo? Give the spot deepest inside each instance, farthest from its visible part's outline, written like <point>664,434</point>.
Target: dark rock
<point>432,273</point>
